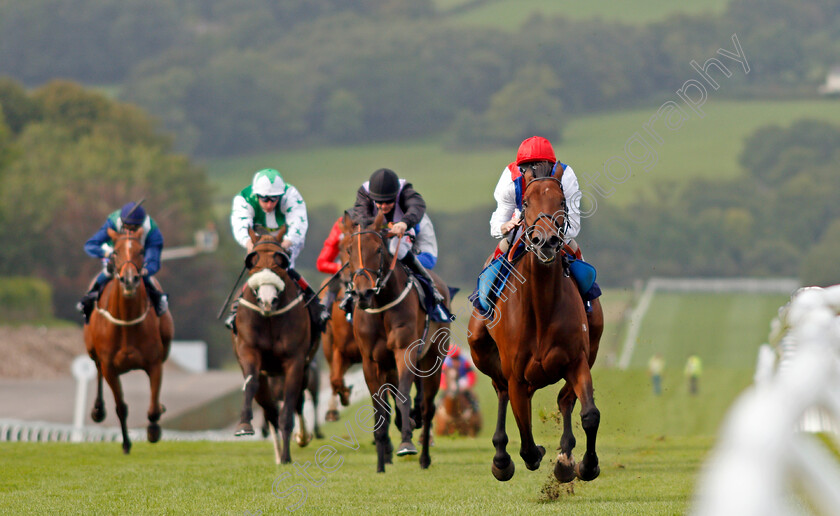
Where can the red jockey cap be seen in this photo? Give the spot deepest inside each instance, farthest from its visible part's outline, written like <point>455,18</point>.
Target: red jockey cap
<point>535,148</point>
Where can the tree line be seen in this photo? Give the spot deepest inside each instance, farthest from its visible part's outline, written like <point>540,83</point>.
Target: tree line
<point>230,77</point>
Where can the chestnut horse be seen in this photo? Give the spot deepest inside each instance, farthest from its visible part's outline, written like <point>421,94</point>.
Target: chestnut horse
<point>539,333</point>
<point>455,413</point>
<point>388,324</point>
<point>340,348</point>
<point>124,333</point>
<point>273,338</point>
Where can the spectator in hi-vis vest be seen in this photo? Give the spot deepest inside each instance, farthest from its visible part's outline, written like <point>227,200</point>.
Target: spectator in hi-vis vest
<point>693,370</point>
<point>656,365</point>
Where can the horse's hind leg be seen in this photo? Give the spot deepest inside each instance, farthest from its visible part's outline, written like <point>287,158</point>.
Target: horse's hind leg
<point>587,469</point>
<point>98,412</point>
<point>113,380</point>
<point>564,468</point>
<point>249,360</point>
<point>520,402</point>
<point>265,398</point>
<point>155,408</point>
<point>314,387</point>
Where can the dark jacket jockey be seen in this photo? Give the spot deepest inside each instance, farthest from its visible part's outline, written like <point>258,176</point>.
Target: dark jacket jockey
<point>402,205</point>
<point>100,246</point>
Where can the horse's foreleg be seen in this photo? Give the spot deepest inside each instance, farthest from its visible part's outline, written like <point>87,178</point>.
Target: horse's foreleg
<point>250,363</point>
<point>266,399</point>
<point>503,468</point>
<point>430,386</point>
<point>98,412</point>
<point>381,413</point>
<point>292,401</point>
<point>520,402</point>
<point>113,380</point>
<point>314,387</point>
<point>403,400</point>
<point>564,468</point>
<point>590,417</point>
<point>155,408</point>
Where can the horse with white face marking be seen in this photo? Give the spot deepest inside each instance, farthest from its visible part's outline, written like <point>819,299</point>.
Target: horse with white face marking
<point>272,338</point>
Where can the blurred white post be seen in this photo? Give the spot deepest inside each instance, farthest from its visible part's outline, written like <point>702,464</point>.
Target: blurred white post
<point>84,370</point>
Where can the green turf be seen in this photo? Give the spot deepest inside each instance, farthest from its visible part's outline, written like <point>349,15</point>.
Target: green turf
<point>651,449</point>
<point>509,14</point>
<point>725,330</point>
<point>454,181</point>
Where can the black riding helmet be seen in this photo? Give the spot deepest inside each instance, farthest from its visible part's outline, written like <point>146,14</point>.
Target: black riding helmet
<point>384,185</point>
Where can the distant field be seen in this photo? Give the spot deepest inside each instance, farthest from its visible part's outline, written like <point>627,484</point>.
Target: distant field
<point>452,181</point>
<point>509,14</point>
<point>725,330</point>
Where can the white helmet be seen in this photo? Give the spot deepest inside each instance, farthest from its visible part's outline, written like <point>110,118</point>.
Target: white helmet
<point>268,182</point>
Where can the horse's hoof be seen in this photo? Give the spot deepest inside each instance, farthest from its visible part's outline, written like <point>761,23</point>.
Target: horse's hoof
<point>564,469</point>
<point>98,414</point>
<point>264,431</point>
<point>244,429</point>
<point>332,415</point>
<point>302,438</point>
<point>586,474</point>
<point>126,447</point>
<point>406,448</point>
<point>319,434</point>
<point>344,398</point>
<point>503,474</point>
<point>153,432</point>
<point>425,462</point>
<point>533,466</point>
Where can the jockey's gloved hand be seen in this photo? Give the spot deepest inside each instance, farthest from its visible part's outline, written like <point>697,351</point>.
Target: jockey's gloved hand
<point>144,272</point>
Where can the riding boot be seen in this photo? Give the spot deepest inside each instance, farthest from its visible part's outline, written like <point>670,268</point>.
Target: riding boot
<point>85,305</point>
<point>159,299</point>
<point>317,312</point>
<point>414,264</point>
<point>230,320</point>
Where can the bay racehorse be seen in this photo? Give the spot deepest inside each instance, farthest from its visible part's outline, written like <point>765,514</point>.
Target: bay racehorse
<point>272,338</point>
<point>537,334</point>
<point>455,413</point>
<point>340,348</point>
<point>124,333</point>
<point>388,325</point>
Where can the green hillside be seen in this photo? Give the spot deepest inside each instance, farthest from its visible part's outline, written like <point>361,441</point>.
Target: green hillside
<point>454,180</point>
<point>509,14</point>
<point>725,330</point>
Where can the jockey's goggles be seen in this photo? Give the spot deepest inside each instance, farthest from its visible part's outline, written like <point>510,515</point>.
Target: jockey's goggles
<point>269,198</point>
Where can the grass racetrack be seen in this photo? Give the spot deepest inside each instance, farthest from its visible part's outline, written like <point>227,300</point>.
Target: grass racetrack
<point>650,448</point>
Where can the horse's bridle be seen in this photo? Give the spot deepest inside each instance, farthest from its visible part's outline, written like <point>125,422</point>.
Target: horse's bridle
<point>560,229</point>
<point>118,269</point>
<point>381,276</point>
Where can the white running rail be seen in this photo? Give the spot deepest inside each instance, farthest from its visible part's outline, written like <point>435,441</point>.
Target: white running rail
<point>764,464</point>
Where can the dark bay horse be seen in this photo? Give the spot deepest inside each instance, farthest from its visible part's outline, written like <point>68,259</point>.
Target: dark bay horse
<point>340,348</point>
<point>455,413</point>
<point>124,333</point>
<point>273,338</point>
<point>388,324</point>
<point>538,334</point>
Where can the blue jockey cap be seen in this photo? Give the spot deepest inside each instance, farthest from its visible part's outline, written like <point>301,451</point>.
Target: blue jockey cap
<point>132,217</point>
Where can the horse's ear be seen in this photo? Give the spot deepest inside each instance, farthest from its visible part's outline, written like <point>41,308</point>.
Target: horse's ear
<point>347,223</point>
<point>281,233</point>
<point>138,233</point>
<point>112,234</point>
<point>281,260</point>
<point>253,234</point>
<point>251,260</point>
<point>379,221</point>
